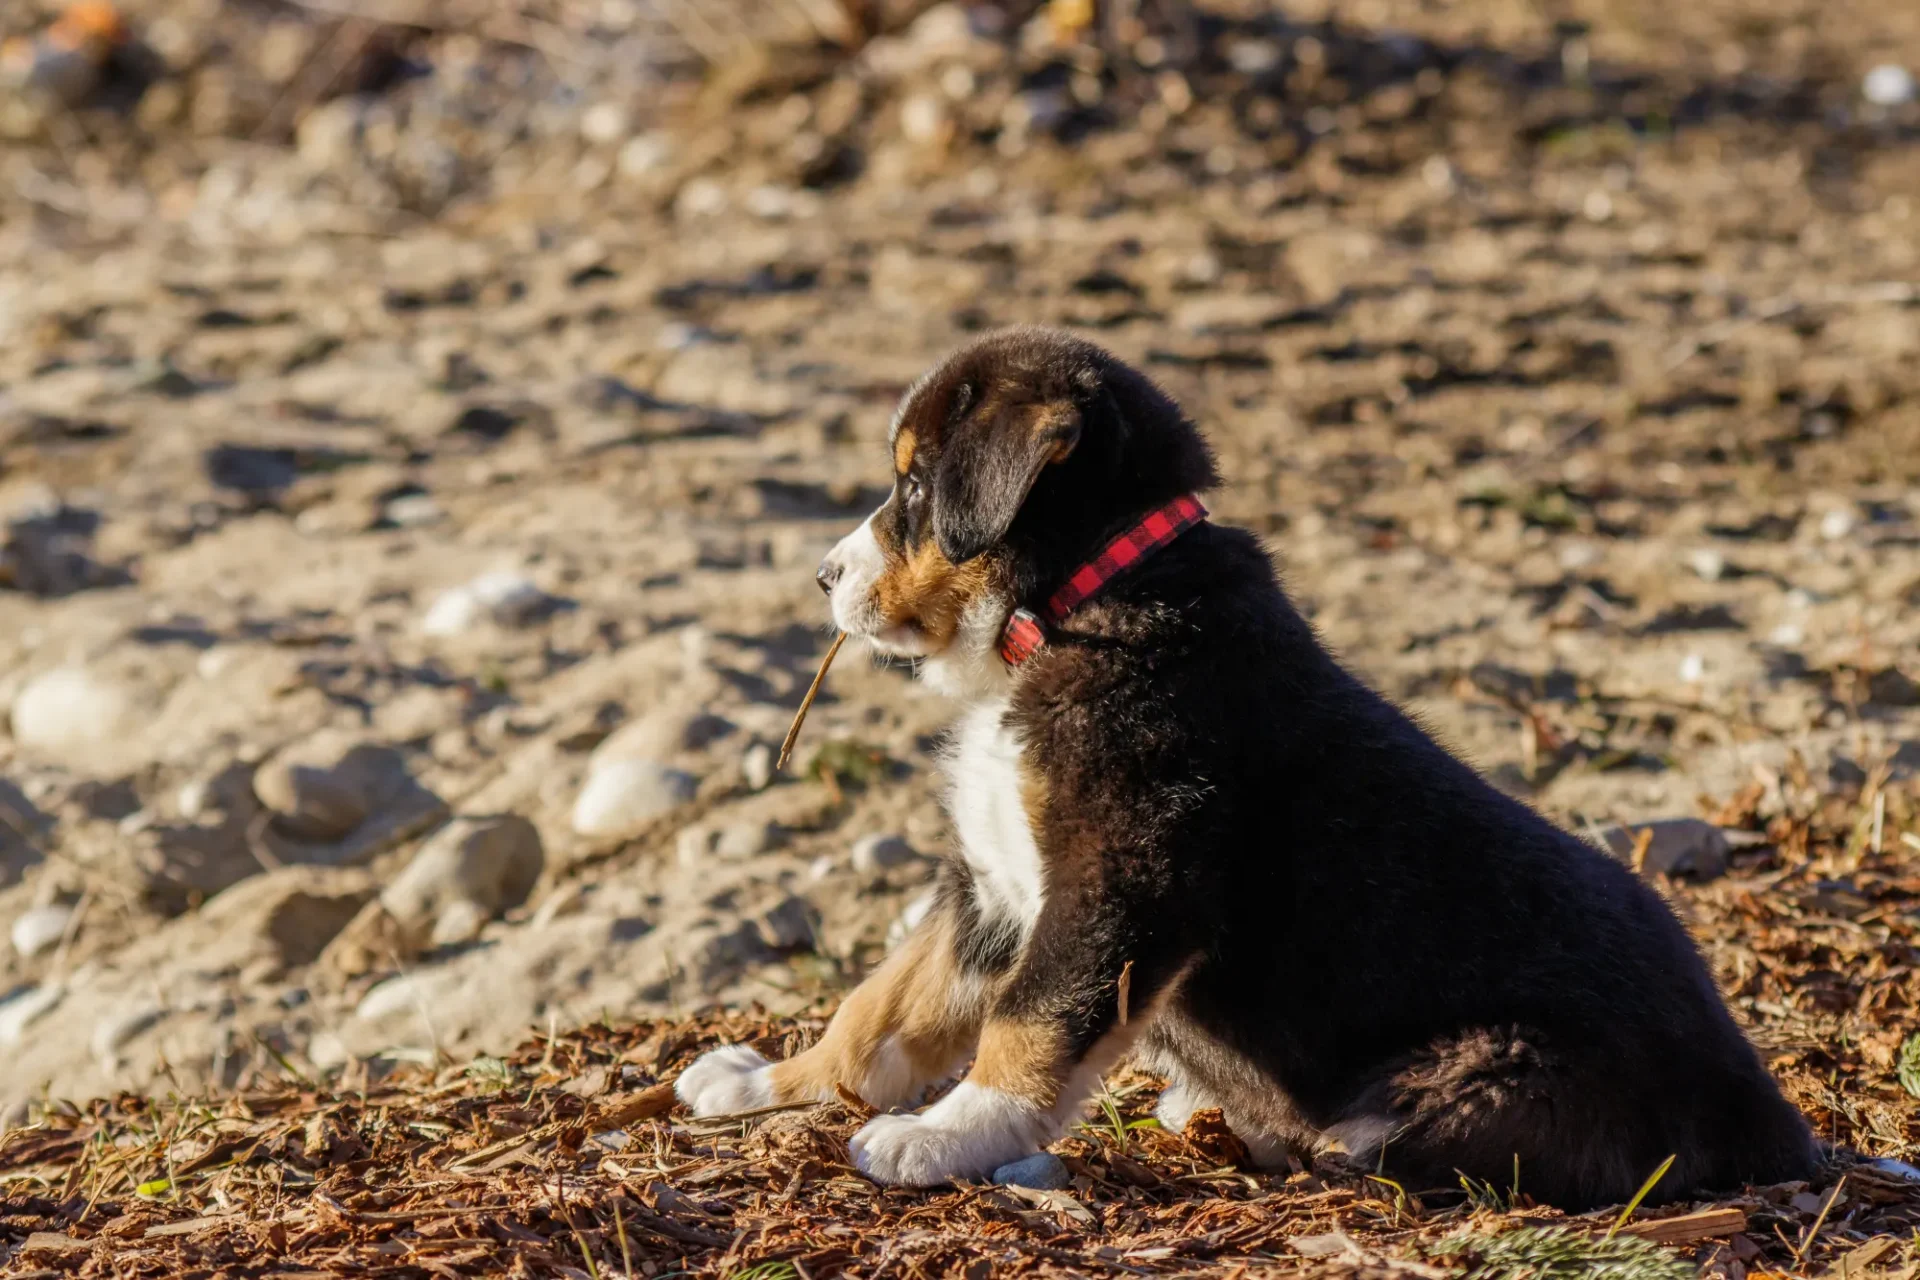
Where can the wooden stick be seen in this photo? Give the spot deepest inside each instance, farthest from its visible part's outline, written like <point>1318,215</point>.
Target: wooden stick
<point>806,703</point>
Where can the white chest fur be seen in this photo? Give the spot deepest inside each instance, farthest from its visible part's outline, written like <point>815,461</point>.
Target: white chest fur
<point>990,815</point>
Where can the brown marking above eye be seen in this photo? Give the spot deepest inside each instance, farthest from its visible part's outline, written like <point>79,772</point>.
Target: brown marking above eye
<point>925,589</point>
<point>903,446</point>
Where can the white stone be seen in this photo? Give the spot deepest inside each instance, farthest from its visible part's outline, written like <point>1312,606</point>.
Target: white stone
<point>40,929</point>
<point>454,612</point>
<point>1836,524</point>
<point>741,840</point>
<point>923,119</point>
<point>192,798</point>
<point>68,708</point>
<point>114,1030</point>
<point>644,155</point>
<point>413,510</point>
<point>508,599</point>
<point>909,919</point>
<point>1693,669</point>
<point>881,852</point>
<point>604,123</point>
<point>1787,635</point>
<point>757,766</point>
<point>1887,85</point>
<point>396,995</point>
<point>18,1013</point>
<point>1707,563</point>
<point>622,795</point>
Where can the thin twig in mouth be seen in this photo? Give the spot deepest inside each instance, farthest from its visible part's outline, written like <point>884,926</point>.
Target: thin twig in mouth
<point>800,716</point>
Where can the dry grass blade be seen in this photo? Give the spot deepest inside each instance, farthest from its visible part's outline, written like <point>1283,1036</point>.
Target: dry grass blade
<point>806,703</point>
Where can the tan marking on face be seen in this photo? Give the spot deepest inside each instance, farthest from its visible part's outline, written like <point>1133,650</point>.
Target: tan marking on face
<point>919,999</point>
<point>903,446</point>
<point>1025,1059</point>
<point>925,589</point>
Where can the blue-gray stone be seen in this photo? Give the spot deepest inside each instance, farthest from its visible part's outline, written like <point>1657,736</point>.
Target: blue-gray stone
<point>1042,1171</point>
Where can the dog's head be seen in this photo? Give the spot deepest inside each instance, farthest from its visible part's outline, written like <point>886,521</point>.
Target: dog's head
<point>1013,461</point>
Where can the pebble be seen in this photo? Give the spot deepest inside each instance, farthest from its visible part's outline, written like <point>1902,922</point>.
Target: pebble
<point>740,840</point>
<point>40,929</point>
<point>621,795</point>
<point>1887,85</point>
<point>1042,1171</point>
<point>508,599</point>
<point>757,766</point>
<point>20,1012</point>
<point>1680,846</point>
<point>789,925</point>
<point>114,1030</point>
<point>1693,669</point>
<point>414,510</point>
<point>68,708</point>
<point>1836,524</point>
<point>1709,564</point>
<point>881,852</point>
<point>469,871</point>
<point>395,995</point>
<point>909,919</point>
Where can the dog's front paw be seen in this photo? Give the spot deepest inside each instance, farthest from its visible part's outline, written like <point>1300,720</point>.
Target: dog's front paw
<point>968,1134</point>
<point>724,1081</point>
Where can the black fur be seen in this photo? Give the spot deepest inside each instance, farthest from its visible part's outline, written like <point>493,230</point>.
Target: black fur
<point>1359,925</point>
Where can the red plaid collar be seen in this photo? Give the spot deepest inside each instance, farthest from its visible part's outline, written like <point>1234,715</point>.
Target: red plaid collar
<point>1026,632</point>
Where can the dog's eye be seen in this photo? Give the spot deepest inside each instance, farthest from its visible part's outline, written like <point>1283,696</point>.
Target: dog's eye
<point>915,490</point>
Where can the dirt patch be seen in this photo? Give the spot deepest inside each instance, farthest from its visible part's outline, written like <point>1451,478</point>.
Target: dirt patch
<point>1567,364</point>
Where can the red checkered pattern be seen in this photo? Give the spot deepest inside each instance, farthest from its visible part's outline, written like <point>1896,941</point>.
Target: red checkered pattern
<point>1024,633</point>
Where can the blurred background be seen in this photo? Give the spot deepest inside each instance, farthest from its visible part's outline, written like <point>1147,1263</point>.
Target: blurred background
<point>419,422</point>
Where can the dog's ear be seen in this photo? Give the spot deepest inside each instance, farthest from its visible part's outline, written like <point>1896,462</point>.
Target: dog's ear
<point>985,475</point>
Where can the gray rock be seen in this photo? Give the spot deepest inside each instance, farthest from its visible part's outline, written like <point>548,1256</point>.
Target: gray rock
<point>471,870</point>
<point>881,852</point>
<point>40,929</point>
<point>738,841</point>
<point>1680,846</point>
<point>622,795</point>
<point>324,786</point>
<point>283,918</point>
<point>789,926</point>
<point>1042,1171</point>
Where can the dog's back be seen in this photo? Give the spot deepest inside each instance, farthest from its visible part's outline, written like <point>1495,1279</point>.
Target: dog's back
<point>1418,961</point>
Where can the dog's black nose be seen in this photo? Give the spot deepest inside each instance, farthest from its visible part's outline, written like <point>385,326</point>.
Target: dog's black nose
<point>828,575</point>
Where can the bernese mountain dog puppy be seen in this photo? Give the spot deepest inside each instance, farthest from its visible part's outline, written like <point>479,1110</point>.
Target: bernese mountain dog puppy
<point>1185,831</point>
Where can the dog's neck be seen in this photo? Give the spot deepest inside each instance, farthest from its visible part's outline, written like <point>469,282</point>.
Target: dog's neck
<point>969,669</point>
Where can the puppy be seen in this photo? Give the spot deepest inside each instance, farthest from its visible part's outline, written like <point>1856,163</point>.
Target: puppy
<point>1185,830</point>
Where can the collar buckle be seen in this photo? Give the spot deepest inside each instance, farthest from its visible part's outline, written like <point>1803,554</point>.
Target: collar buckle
<point>1022,637</point>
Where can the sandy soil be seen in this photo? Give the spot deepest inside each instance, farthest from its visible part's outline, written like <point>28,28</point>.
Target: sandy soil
<point>1566,360</point>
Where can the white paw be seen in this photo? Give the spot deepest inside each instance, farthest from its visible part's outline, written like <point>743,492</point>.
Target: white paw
<point>967,1134</point>
<point>727,1080</point>
<point>1177,1105</point>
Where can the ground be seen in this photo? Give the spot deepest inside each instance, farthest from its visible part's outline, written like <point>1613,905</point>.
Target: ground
<point>464,447</point>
